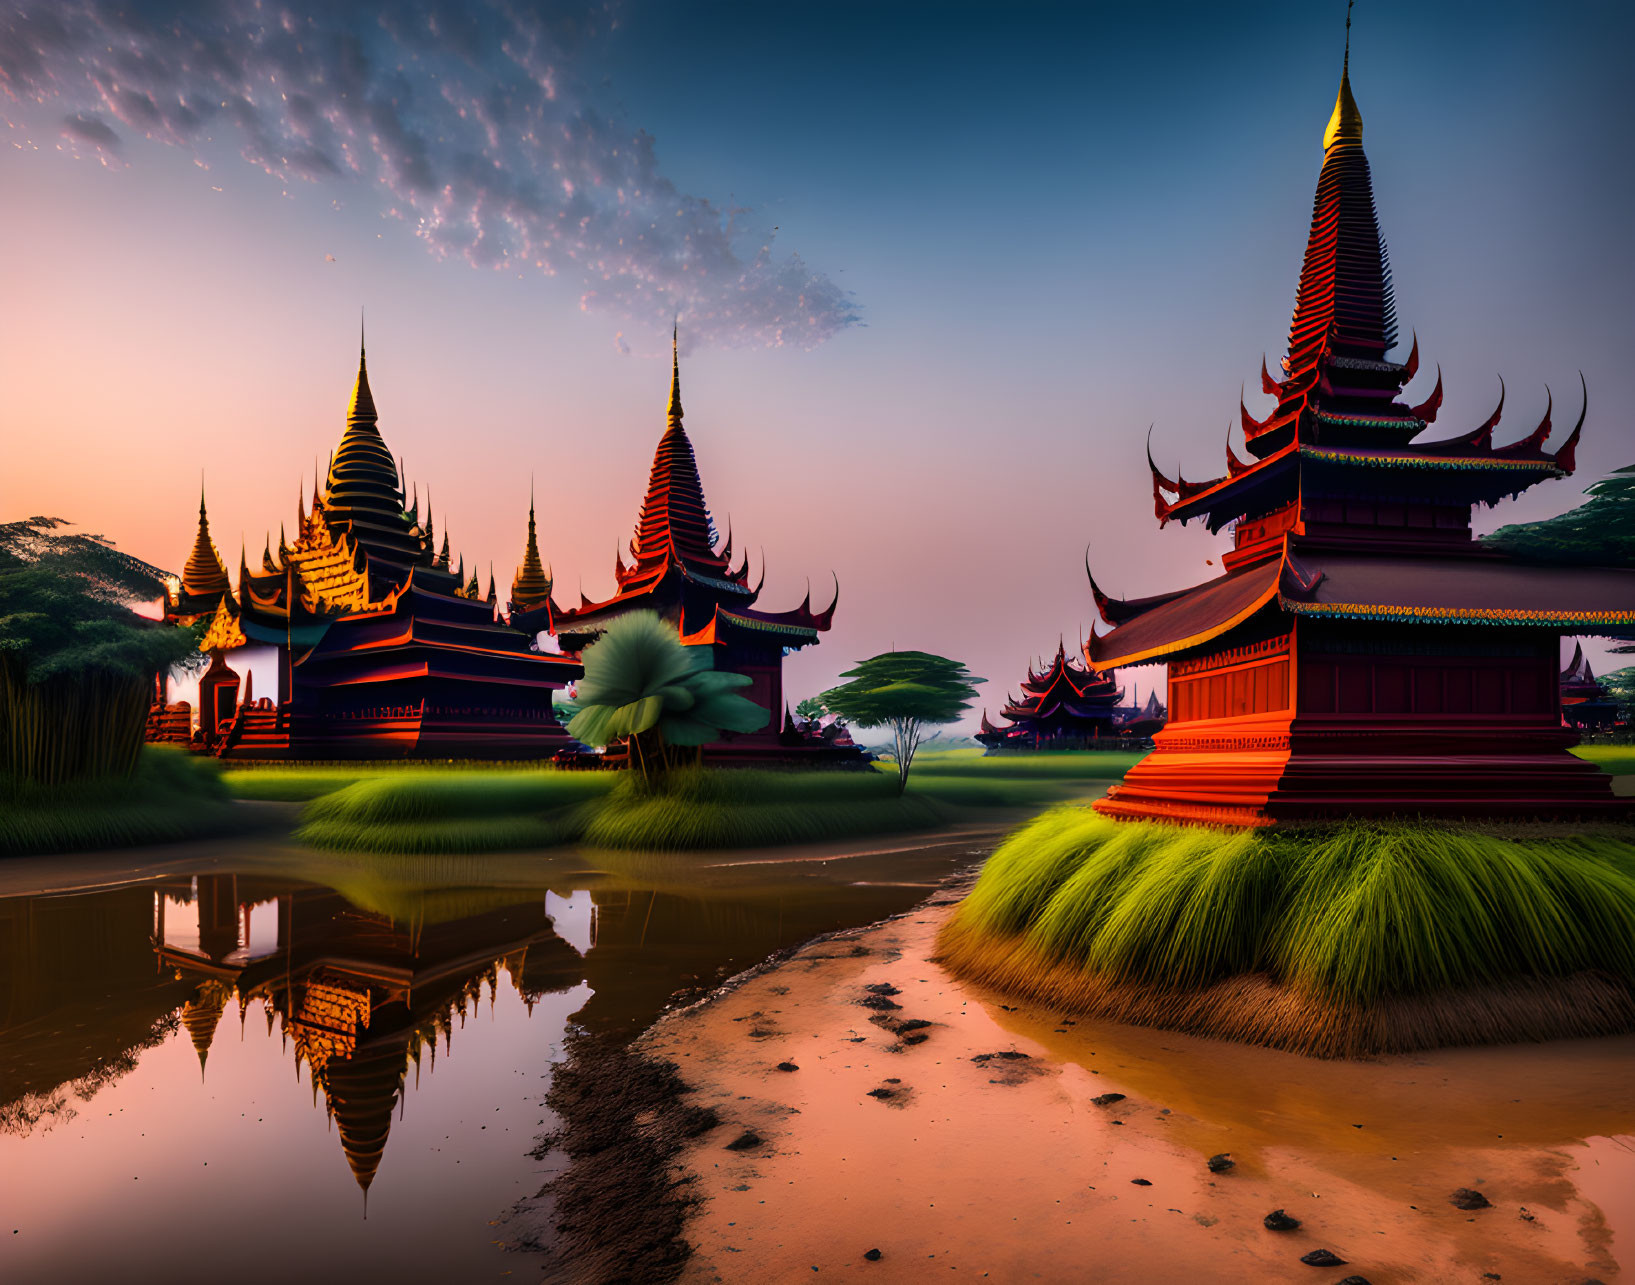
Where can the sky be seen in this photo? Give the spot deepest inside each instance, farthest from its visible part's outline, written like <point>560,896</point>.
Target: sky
<point>936,266</point>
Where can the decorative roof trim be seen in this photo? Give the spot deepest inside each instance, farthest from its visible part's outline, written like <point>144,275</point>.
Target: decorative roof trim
<point>1456,615</point>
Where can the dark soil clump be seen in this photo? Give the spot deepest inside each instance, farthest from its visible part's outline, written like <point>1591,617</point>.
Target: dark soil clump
<point>1465,1198</point>
<point>616,1210</point>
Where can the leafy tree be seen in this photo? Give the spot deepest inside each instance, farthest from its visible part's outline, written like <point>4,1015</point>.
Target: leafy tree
<point>1620,685</point>
<point>1599,532</point>
<point>76,663</point>
<point>811,708</point>
<point>903,690</point>
<point>641,686</point>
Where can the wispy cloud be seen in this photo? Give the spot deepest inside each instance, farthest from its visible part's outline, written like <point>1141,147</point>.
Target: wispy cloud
<point>467,120</point>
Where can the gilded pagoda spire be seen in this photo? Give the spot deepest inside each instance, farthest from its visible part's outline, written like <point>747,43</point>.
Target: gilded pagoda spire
<point>1345,124</point>
<point>532,583</point>
<point>205,572</point>
<point>361,409</point>
<point>675,375</point>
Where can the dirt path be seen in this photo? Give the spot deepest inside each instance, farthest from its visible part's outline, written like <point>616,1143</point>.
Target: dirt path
<point>974,1145</point>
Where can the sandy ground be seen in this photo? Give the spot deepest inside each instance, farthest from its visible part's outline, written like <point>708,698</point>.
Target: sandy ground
<point>951,1162</point>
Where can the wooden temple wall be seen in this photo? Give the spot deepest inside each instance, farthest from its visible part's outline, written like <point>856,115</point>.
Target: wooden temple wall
<point>1252,679</point>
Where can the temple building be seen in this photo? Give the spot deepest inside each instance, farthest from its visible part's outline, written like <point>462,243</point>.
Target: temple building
<point>683,572</point>
<point>1362,653</point>
<point>1064,707</point>
<point>384,650</point>
<point>1586,704</point>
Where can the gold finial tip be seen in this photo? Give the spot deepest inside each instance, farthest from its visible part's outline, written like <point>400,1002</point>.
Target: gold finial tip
<point>1345,123</point>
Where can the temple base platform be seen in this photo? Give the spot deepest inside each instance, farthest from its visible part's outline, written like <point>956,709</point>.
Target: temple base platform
<point>1300,772</point>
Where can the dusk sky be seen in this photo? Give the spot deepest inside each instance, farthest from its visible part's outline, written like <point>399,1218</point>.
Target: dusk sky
<point>937,268</point>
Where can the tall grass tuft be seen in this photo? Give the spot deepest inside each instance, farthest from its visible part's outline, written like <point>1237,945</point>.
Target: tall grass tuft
<point>1287,933</point>
<point>171,796</point>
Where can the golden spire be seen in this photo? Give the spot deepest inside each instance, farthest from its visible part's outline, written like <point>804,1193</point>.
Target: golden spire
<point>675,376</point>
<point>205,572</point>
<point>1345,125</point>
<point>361,409</point>
<point>532,583</point>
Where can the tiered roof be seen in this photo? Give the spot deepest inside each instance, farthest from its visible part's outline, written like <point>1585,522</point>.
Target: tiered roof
<point>1340,433</point>
<point>204,580</point>
<point>1337,423</point>
<point>1065,699</point>
<point>677,568</point>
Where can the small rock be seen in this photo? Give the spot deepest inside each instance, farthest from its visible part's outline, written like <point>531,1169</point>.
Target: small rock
<point>1322,1258</point>
<point>787,1066</point>
<point>873,1255</point>
<point>1466,1198</point>
<point>915,1038</point>
<point>1353,1280</point>
<point>882,988</point>
<point>745,1140</point>
<point>1221,1163</point>
<point>1139,1182</point>
<point>1527,1215</point>
<point>883,1094</point>
<point>1107,1099</point>
<point>1004,1055</point>
<point>1277,1220</point>
<point>879,1003</point>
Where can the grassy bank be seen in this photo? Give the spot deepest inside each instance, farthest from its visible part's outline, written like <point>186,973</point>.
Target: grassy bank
<point>171,796</point>
<point>473,811</point>
<point>1336,941</point>
<point>1619,760</point>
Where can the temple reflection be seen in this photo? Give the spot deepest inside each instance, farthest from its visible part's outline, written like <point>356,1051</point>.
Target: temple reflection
<point>367,982</point>
<point>361,999</point>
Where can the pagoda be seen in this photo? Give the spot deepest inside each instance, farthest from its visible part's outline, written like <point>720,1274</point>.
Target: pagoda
<point>683,572</point>
<point>1585,701</point>
<point>1362,653</point>
<point>384,649</point>
<point>1065,707</point>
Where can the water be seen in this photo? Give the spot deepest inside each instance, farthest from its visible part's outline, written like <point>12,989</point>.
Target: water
<point>261,1063</point>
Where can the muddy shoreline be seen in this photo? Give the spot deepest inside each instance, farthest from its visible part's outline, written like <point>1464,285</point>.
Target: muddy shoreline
<point>849,1096</point>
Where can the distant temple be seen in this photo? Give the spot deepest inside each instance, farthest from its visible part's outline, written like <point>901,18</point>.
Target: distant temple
<point>682,571</point>
<point>1362,652</point>
<point>384,650</point>
<point>1586,704</point>
<point>1066,707</point>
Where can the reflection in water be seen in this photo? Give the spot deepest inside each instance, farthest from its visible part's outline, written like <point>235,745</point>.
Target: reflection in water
<point>359,997</point>
<point>117,1029</point>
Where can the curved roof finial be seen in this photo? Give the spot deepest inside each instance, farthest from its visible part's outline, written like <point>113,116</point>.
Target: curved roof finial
<point>1345,124</point>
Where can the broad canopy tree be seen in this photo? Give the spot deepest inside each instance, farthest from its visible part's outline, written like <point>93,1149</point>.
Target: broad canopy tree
<point>643,687</point>
<point>76,663</point>
<point>905,691</point>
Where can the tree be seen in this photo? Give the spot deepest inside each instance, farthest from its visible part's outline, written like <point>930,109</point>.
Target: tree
<point>811,709</point>
<point>903,690</point>
<point>1620,685</point>
<point>1599,532</point>
<point>641,686</point>
<point>76,663</point>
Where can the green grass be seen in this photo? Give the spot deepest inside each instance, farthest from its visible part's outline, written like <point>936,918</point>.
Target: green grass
<point>1353,913</point>
<point>436,811</point>
<point>1619,760</point>
<point>432,810</point>
<point>172,796</point>
<point>302,782</point>
<point>705,809</point>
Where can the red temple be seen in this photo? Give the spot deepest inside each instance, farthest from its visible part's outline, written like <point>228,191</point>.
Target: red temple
<point>1067,707</point>
<point>1586,704</point>
<point>1362,653</point>
<point>384,650</point>
<point>680,570</point>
